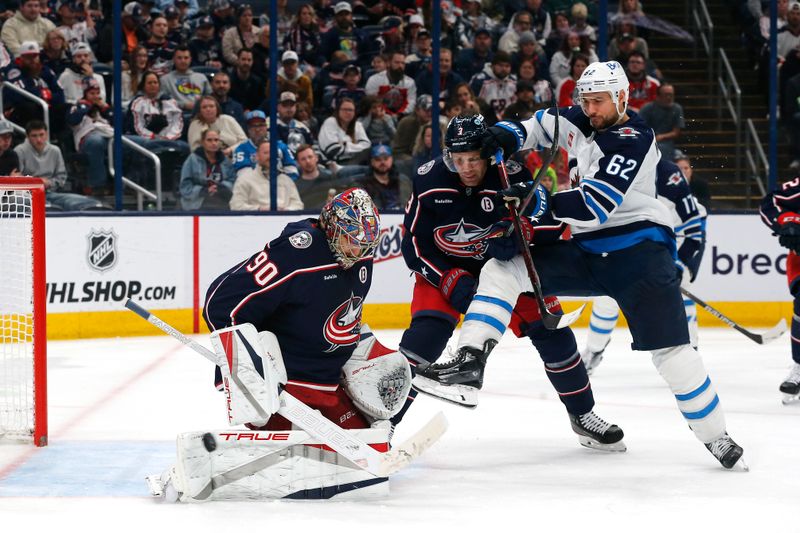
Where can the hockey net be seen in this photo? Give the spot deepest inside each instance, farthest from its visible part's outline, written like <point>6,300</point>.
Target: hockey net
<point>23,344</point>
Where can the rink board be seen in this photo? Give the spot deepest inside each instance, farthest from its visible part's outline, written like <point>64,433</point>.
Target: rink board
<point>166,263</point>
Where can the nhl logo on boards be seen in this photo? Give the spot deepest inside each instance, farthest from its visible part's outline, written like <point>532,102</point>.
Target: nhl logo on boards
<point>301,240</point>
<point>102,251</point>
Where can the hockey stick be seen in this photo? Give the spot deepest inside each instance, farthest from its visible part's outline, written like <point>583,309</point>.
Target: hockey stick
<point>768,336</point>
<point>312,422</point>
<point>549,320</point>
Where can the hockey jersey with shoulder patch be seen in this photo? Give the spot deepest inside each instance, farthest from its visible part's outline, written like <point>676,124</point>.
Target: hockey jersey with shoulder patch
<point>446,222</point>
<point>784,199</point>
<point>295,288</point>
<point>614,206</point>
<point>688,216</point>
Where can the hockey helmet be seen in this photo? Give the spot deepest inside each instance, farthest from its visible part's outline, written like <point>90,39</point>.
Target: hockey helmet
<point>464,134</point>
<point>351,223</point>
<point>605,76</point>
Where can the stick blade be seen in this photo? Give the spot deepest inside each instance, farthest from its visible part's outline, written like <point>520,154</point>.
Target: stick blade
<point>562,321</point>
<point>779,329</point>
<point>401,456</point>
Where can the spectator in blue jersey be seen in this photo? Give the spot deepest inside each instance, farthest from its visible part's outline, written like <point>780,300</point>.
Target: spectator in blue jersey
<point>386,186</point>
<point>205,46</point>
<point>220,89</point>
<point>244,154</point>
<point>207,176</point>
<point>470,61</point>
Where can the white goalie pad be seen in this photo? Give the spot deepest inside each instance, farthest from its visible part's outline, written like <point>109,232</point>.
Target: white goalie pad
<point>376,378</point>
<point>252,370</point>
<point>259,465</point>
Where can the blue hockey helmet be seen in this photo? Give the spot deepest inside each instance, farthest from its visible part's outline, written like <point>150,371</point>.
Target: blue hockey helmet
<point>464,134</point>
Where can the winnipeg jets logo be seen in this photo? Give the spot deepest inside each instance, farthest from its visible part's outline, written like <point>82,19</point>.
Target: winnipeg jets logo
<point>627,132</point>
<point>675,179</point>
<point>343,326</point>
<point>461,239</point>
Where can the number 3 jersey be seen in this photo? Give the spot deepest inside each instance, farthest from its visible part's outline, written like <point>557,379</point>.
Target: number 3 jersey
<point>614,205</point>
<point>296,289</point>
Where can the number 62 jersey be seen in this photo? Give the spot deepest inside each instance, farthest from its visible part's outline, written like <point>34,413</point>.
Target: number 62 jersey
<point>295,288</point>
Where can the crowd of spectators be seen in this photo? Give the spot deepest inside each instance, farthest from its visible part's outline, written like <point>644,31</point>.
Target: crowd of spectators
<point>354,87</point>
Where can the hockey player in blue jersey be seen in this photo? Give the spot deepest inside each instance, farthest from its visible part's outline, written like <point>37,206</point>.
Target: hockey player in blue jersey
<point>622,246</point>
<point>780,211</point>
<point>307,287</point>
<point>689,223</point>
<point>449,220</point>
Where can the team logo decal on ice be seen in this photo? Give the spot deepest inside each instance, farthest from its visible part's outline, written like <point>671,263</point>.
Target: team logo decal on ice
<point>424,169</point>
<point>675,179</point>
<point>343,326</point>
<point>627,132</point>
<point>102,251</point>
<point>362,274</point>
<point>461,239</point>
<point>300,240</point>
<point>512,167</point>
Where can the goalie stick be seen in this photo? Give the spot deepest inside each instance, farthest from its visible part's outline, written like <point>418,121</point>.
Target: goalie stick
<point>312,422</point>
<point>763,338</point>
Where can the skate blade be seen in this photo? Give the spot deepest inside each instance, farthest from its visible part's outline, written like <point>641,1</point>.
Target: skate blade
<point>155,485</point>
<point>589,442</point>
<point>789,399</point>
<point>741,465</point>
<point>461,395</point>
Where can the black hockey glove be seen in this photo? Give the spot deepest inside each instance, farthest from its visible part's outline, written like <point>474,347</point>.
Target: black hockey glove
<point>789,231</point>
<point>690,254</point>
<point>458,287</point>
<point>502,244</point>
<point>516,194</point>
<point>495,138</point>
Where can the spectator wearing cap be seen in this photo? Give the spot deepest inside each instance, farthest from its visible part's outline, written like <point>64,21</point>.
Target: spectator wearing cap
<point>27,24</point>
<point>496,85</point>
<point>9,161</point>
<point>72,79</point>
<point>290,130</point>
<point>177,31</point>
<point>351,88</point>
<point>304,39</point>
<point>90,120</point>
<point>315,182</point>
<point>470,21</point>
<point>470,61</point>
<point>409,127</point>
<point>75,31</point>
<point>560,62</point>
<point>205,46</point>
<point>529,49</point>
<point>35,78</point>
<point>251,191</point>
<point>379,126</point>
<point>246,87</point>
<point>789,38</point>
<point>187,8</point>
<point>243,35</point>
<point>541,23</point>
<point>183,84</point>
<point>209,115</point>
<point>343,141</point>
<point>220,89</point>
<point>207,176</point>
<point>386,186</point>
<point>134,33</point>
<point>55,52</point>
<point>448,80</point>
<point>221,12</point>
<point>566,91</point>
<point>643,88</point>
<point>580,15</point>
<point>343,35</point>
<point>245,153</point>
<point>291,79</point>
<point>422,54</point>
<point>521,21</point>
<point>398,91</point>
<point>414,24</point>
<point>666,118</point>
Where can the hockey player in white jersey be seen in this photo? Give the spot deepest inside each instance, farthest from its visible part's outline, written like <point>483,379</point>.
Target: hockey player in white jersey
<point>623,245</point>
<point>689,223</point>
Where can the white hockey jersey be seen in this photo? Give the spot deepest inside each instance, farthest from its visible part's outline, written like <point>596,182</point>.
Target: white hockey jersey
<point>614,205</point>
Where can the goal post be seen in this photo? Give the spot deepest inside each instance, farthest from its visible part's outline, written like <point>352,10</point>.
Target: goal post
<point>23,335</point>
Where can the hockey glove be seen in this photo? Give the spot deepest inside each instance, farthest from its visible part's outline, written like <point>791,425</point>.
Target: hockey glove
<point>690,254</point>
<point>789,231</point>
<point>501,243</point>
<point>498,138</point>
<point>458,287</point>
<point>516,194</point>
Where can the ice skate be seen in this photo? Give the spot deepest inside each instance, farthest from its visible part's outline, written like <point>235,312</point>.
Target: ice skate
<point>465,369</point>
<point>727,452</point>
<point>791,386</point>
<point>594,432</point>
<point>592,360</point>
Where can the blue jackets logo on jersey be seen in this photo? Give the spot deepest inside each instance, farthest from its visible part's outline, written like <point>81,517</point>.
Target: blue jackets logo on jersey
<point>343,326</point>
<point>461,239</point>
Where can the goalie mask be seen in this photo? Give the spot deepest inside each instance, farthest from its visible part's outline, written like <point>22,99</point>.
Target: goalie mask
<point>608,76</point>
<point>464,134</point>
<point>351,223</point>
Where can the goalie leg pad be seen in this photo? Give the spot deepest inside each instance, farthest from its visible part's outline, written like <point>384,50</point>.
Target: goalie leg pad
<point>254,465</point>
<point>683,370</point>
<point>251,375</point>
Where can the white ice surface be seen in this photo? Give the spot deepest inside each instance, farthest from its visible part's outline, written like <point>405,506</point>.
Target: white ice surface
<point>512,464</point>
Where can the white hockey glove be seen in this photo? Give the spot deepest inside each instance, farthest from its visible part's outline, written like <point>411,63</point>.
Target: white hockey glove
<point>376,378</point>
<point>252,372</point>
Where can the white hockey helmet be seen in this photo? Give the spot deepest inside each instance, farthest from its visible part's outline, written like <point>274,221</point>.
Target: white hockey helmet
<point>605,76</point>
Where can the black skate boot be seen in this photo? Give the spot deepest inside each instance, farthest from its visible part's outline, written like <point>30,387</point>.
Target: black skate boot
<point>727,452</point>
<point>594,432</point>
<point>466,368</point>
<point>791,385</point>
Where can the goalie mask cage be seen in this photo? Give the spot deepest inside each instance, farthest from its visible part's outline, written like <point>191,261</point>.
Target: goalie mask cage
<point>23,342</point>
